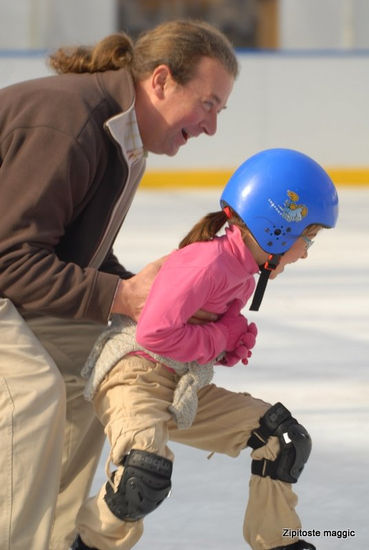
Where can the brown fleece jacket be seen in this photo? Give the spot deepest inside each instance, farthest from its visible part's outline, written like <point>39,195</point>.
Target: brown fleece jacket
<point>61,174</point>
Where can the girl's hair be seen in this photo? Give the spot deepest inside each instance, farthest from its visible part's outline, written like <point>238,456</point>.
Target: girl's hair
<point>179,44</point>
<point>207,228</point>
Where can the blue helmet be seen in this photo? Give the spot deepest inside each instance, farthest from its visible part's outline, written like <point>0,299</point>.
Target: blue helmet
<point>278,193</point>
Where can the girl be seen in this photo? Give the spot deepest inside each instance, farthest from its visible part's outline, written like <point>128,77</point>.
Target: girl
<point>152,383</point>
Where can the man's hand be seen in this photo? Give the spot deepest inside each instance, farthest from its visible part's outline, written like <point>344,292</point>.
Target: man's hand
<point>202,317</point>
<point>131,293</point>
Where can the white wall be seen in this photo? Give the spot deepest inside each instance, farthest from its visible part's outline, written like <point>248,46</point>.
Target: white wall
<point>311,24</point>
<point>15,67</point>
<point>316,103</point>
<point>51,23</point>
<point>319,24</point>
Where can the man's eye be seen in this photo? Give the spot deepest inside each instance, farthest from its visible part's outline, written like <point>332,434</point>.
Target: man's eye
<point>208,105</point>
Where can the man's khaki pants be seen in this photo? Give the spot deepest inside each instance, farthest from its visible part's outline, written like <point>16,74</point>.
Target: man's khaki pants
<point>50,438</point>
<point>132,403</point>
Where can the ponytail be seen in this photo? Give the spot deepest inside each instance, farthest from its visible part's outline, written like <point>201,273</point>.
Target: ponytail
<point>179,44</point>
<point>112,53</point>
<point>205,229</point>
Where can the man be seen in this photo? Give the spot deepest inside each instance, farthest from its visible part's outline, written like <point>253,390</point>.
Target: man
<point>72,153</point>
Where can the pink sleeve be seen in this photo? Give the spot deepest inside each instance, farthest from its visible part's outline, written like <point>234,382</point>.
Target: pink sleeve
<point>177,293</point>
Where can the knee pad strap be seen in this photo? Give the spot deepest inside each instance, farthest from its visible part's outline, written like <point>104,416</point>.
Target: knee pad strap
<point>144,485</point>
<point>295,445</point>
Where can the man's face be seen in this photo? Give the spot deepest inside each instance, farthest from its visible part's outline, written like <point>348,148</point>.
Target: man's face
<point>180,112</point>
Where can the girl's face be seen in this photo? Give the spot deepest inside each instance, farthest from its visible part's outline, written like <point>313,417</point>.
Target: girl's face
<point>298,251</point>
<point>177,112</point>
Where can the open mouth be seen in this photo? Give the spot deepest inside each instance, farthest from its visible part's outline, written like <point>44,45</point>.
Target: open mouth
<point>185,134</point>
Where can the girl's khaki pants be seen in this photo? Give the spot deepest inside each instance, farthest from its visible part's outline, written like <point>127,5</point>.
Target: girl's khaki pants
<point>132,403</point>
<point>50,438</point>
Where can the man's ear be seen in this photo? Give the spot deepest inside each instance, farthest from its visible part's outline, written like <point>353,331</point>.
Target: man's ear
<point>160,78</point>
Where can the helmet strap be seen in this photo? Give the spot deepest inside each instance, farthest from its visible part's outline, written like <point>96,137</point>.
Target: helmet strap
<point>265,271</point>
<point>227,212</point>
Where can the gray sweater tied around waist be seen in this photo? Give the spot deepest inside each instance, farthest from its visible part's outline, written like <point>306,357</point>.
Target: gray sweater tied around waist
<point>118,340</point>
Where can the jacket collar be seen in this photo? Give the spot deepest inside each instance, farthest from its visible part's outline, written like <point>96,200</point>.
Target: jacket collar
<point>124,130</point>
<point>119,89</point>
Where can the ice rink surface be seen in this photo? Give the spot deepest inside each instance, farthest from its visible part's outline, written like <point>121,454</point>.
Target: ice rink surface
<point>312,354</point>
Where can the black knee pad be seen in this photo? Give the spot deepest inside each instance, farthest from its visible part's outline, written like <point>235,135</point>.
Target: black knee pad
<point>295,445</point>
<point>144,485</point>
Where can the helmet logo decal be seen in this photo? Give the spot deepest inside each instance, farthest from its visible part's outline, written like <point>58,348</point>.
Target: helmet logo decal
<point>291,210</point>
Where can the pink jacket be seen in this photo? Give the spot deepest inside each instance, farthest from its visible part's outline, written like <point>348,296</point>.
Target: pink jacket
<point>205,275</point>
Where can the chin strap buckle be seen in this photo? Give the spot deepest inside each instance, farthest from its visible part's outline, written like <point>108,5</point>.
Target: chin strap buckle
<point>272,262</point>
<point>265,271</point>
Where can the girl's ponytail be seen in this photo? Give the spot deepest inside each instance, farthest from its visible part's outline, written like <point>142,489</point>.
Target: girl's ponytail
<point>205,229</point>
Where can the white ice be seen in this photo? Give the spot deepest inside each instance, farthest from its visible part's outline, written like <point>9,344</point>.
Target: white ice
<point>312,354</point>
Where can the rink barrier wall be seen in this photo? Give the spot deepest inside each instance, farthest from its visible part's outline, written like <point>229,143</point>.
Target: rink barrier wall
<point>312,101</point>
<point>218,178</point>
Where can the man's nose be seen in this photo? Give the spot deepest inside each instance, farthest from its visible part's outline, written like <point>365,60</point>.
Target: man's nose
<point>210,124</point>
